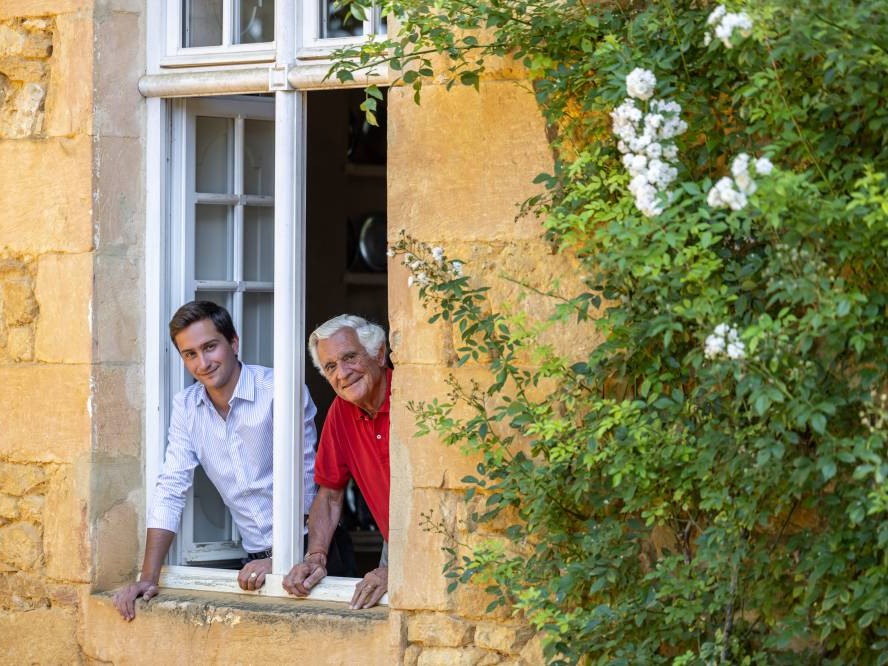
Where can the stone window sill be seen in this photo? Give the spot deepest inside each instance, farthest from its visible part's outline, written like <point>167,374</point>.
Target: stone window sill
<point>205,608</point>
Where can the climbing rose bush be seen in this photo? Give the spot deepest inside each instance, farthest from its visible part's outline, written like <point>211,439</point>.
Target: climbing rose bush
<point>708,485</point>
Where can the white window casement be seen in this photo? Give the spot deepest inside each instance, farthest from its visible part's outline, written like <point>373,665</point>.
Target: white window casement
<point>222,250</point>
<point>204,33</point>
<point>226,181</point>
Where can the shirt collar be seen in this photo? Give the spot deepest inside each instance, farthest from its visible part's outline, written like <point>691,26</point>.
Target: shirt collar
<point>360,414</point>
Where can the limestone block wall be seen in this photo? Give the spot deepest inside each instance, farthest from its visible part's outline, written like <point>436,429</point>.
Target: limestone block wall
<point>25,48</point>
<point>459,166</point>
<point>70,314</point>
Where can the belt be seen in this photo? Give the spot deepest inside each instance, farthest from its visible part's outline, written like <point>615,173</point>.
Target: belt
<point>261,555</point>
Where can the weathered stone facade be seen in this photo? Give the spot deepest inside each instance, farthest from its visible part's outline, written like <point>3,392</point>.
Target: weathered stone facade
<point>45,286</point>
<point>25,49</point>
<point>72,301</point>
<point>483,150</point>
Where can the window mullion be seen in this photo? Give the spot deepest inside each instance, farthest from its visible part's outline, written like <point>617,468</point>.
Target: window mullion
<point>227,22</point>
<point>237,231</point>
<point>288,330</point>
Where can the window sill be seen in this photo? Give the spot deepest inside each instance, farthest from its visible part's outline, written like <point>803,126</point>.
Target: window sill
<point>201,607</point>
<point>332,588</point>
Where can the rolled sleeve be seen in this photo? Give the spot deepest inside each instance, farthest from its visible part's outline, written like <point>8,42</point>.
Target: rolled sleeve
<point>308,450</point>
<point>177,475</point>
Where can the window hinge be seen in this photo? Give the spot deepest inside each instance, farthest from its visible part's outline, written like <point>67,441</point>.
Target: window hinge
<point>278,78</point>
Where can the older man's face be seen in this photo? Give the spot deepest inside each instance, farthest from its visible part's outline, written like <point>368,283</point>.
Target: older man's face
<point>355,375</point>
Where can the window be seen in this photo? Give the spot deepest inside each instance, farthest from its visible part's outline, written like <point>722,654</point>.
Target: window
<point>223,194</point>
<point>223,23</point>
<point>229,180</point>
<point>214,32</point>
<point>326,23</point>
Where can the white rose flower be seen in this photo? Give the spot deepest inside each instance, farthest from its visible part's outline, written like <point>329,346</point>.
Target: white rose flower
<point>716,15</point>
<point>740,164</point>
<point>654,150</point>
<point>639,143</point>
<point>438,254</point>
<point>640,83</point>
<point>725,23</point>
<point>637,164</point>
<point>734,192</point>
<point>745,183</point>
<point>763,166</point>
<point>652,121</point>
<point>724,341</point>
<point>736,350</point>
<point>713,346</point>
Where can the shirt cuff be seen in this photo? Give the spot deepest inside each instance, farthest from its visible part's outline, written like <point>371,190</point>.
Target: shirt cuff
<point>163,520</point>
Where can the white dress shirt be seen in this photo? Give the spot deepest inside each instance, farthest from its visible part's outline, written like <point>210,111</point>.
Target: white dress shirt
<point>236,454</point>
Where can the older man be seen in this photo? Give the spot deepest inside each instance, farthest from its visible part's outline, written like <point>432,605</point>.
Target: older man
<point>222,422</point>
<point>350,352</point>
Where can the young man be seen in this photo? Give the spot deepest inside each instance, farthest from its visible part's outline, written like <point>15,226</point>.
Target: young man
<point>350,353</point>
<point>222,422</point>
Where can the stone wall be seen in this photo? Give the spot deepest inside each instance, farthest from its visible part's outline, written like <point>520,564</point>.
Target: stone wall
<point>25,49</point>
<point>459,166</point>
<point>70,315</point>
<point>45,290</point>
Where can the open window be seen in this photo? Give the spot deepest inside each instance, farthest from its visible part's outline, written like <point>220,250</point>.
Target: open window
<point>270,201</point>
<point>222,220</point>
<point>222,180</point>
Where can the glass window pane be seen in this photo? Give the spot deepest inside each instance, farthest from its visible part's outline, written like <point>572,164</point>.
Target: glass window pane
<point>211,518</point>
<point>257,334</point>
<point>213,147</point>
<point>256,21</point>
<point>212,243</point>
<point>202,25</point>
<point>258,244</point>
<point>222,298</point>
<point>259,157</point>
<point>337,21</point>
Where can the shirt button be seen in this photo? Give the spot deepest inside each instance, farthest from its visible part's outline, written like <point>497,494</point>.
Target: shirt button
<point>378,436</point>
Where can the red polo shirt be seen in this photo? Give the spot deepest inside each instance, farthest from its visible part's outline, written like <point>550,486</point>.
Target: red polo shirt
<point>354,445</point>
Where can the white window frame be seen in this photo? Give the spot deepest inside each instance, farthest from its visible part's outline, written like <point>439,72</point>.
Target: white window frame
<point>170,21</point>
<point>288,78</point>
<point>315,46</point>
<point>183,285</point>
<point>305,13</point>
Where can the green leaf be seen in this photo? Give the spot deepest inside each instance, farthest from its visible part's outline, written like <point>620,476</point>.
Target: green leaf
<point>469,79</point>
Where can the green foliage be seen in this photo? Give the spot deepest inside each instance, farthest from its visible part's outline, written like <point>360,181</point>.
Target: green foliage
<point>677,502</point>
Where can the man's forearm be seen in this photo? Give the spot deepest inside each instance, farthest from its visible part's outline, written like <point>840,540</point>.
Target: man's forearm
<point>323,517</point>
<point>157,545</point>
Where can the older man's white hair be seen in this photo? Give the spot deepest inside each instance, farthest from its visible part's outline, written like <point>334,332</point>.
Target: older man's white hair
<point>371,336</point>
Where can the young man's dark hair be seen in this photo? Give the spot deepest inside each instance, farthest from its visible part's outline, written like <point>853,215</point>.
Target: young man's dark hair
<point>196,311</point>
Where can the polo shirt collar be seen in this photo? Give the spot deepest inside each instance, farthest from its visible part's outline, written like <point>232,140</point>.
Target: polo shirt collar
<point>359,413</point>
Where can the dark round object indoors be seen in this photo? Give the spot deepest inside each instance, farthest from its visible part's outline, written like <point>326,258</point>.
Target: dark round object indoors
<point>372,242</point>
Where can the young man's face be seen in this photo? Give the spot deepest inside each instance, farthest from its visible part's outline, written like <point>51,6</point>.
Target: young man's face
<point>208,356</point>
<point>355,375</point>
